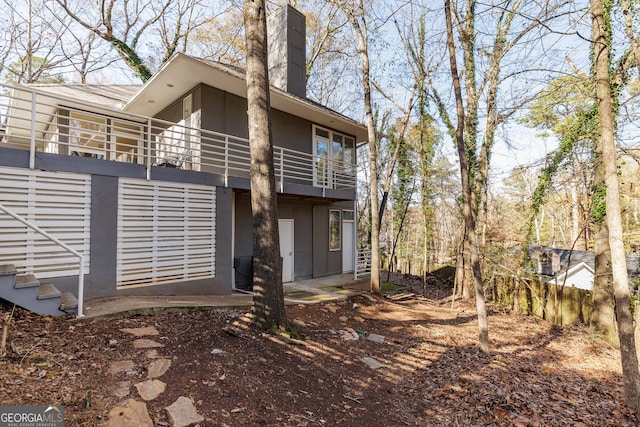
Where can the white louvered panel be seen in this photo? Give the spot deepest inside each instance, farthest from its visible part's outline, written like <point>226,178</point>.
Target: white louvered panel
<point>166,232</point>
<point>59,203</point>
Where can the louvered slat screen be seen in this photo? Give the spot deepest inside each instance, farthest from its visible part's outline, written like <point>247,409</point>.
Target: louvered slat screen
<point>57,202</point>
<point>166,232</point>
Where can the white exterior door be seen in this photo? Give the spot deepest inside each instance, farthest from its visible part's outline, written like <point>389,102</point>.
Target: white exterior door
<point>285,227</point>
<point>347,244</point>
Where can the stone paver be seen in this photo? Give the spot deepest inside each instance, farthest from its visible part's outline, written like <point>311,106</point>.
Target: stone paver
<point>122,389</point>
<point>150,389</point>
<point>146,343</point>
<point>158,368</point>
<point>182,413</point>
<point>376,338</point>
<point>141,332</point>
<point>348,335</point>
<point>121,366</point>
<point>371,362</point>
<point>130,414</point>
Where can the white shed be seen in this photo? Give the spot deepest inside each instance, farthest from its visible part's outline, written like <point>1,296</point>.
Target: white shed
<point>579,276</point>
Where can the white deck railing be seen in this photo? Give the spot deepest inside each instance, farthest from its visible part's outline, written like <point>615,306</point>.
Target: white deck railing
<point>363,263</point>
<point>41,121</point>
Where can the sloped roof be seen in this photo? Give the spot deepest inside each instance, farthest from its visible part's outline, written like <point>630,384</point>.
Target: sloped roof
<point>571,258</point>
<point>574,269</point>
<point>114,96</point>
<point>182,72</point>
<point>580,276</point>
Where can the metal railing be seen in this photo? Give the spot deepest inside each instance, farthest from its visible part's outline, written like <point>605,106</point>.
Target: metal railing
<point>42,121</point>
<point>62,245</point>
<point>363,263</point>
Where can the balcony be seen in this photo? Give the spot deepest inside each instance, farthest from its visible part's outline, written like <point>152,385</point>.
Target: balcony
<point>39,121</point>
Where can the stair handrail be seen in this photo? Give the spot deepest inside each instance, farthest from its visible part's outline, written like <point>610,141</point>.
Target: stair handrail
<point>62,245</point>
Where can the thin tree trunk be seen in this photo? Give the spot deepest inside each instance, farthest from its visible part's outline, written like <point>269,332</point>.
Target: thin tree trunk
<point>601,29</point>
<point>360,27</point>
<point>603,316</point>
<point>468,211</point>
<point>268,296</point>
<point>575,213</point>
<point>398,232</point>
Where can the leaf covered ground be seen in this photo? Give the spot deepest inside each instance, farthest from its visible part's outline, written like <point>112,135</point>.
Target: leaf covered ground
<point>432,373</point>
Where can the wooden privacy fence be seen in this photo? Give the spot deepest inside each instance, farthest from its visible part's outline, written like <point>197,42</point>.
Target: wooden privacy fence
<point>558,304</point>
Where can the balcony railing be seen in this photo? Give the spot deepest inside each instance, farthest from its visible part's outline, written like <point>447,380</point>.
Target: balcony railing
<point>363,263</point>
<point>40,121</point>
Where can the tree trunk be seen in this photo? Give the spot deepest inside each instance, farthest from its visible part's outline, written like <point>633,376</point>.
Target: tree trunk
<point>359,24</point>
<point>601,30</point>
<point>464,274</point>
<point>468,211</point>
<point>603,316</point>
<point>268,296</point>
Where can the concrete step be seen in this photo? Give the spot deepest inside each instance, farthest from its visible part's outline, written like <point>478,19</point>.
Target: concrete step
<point>7,276</point>
<point>7,270</point>
<point>27,298</point>
<point>68,302</point>
<point>26,291</point>
<point>48,291</point>
<point>26,281</point>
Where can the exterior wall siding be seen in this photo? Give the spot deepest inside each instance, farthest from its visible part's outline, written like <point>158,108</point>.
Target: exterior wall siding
<point>219,111</point>
<point>312,257</point>
<point>60,204</point>
<point>100,280</point>
<point>166,232</point>
<point>227,113</point>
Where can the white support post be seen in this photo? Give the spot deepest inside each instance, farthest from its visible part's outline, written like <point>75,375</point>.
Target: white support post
<point>80,312</point>
<point>233,239</point>
<point>226,161</point>
<point>281,170</point>
<point>355,237</point>
<point>148,143</point>
<point>32,145</point>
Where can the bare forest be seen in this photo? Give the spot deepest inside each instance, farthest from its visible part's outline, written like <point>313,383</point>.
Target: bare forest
<point>494,130</point>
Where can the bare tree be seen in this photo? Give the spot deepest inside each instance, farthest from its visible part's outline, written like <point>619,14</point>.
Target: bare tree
<point>125,24</point>
<point>179,23</point>
<point>331,74</point>
<point>220,38</point>
<point>9,29</point>
<point>35,35</point>
<point>482,62</point>
<point>268,298</point>
<point>602,40</point>
<point>85,56</point>
<point>468,209</point>
<point>355,11</point>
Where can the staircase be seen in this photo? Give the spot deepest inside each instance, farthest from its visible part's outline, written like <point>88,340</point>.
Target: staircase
<point>26,291</point>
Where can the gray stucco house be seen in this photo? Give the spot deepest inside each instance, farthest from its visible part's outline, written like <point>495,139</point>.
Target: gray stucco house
<point>150,183</point>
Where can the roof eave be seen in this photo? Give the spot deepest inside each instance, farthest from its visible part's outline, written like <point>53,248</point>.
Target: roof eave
<point>182,73</point>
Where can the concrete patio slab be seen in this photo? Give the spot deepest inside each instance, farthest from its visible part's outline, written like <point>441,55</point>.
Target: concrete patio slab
<point>311,291</point>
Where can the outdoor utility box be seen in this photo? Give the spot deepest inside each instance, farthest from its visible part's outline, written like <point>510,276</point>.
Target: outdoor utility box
<point>243,266</point>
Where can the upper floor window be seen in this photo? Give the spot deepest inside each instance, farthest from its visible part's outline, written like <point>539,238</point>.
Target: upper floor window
<point>334,156</point>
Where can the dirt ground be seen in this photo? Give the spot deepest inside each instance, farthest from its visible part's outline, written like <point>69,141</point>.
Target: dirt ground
<point>432,373</point>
